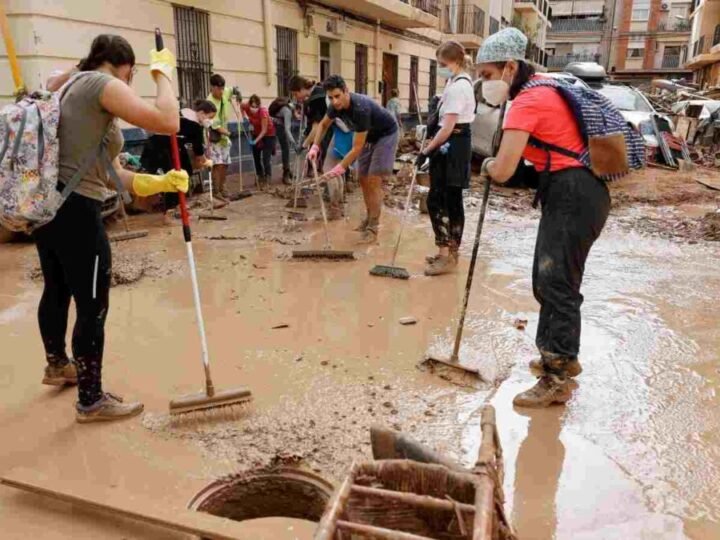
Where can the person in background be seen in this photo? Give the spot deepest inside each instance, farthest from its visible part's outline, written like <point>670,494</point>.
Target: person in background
<point>74,249</point>
<point>450,152</point>
<point>156,156</point>
<point>219,147</point>
<point>282,115</point>
<point>312,97</point>
<point>263,141</point>
<point>340,146</point>
<point>374,146</point>
<point>575,206</point>
<point>394,106</point>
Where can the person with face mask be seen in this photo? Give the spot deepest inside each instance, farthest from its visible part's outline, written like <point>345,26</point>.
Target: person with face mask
<point>374,144</point>
<point>541,128</point>
<point>263,143</point>
<point>156,155</point>
<point>450,152</point>
<point>73,248</point>
<point>312,97</point>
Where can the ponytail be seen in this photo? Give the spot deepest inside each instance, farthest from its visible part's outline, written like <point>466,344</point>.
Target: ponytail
<point>109,48</point>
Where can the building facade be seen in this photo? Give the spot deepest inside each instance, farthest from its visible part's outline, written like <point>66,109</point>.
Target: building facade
<point>704,45</point>
<point>578,32</point>
<point>376,45</point>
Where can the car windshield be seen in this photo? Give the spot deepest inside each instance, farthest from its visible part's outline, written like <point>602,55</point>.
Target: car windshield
<point>625,98</point>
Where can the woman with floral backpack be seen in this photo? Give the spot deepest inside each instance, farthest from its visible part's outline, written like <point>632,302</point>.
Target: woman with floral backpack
<point>549,126</point>
<point>74,249</point>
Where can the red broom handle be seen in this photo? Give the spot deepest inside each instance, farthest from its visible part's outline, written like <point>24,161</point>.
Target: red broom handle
<point>175,154</point>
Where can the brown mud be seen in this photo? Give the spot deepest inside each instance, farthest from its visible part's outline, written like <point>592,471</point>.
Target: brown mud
<point>636,451</point>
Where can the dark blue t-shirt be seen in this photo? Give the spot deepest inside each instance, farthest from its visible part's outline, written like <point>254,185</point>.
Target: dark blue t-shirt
<point>365,114</point>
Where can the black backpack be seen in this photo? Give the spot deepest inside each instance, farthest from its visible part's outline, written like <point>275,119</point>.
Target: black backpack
<point>277,105</point>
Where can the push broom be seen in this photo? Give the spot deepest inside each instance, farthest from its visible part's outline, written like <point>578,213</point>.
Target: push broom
<point>454,360</point>
<point>211,216</point>
<point>393,271</point>
<point>327,252</point>
<point>210,399</point>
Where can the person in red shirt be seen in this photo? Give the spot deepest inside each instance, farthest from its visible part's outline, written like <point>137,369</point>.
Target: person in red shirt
<point>264,138</point>
<point>575,206</point>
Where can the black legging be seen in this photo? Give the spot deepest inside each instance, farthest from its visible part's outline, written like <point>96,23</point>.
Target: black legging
<point>447,214</point>
<point>76,263</point>
<point>263,156</point>
<point>575,206</point>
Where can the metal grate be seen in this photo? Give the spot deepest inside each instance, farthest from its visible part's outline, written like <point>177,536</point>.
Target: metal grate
<point>413,84</point>
<point>286,58</point>
<point>194,64</point>
<point>361,68</point>
<point>432,90</point>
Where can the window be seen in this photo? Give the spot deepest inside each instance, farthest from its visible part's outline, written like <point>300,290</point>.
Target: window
<point>286,58</point>
<point>413,84</point>
<point>641,10</point>
<point>361,69</point>
<point>716,36</point>
<point>194,65</point>
<point>433,80</point>
<point>636,52</point>
<point>493,27</point>
<point>324,59</point>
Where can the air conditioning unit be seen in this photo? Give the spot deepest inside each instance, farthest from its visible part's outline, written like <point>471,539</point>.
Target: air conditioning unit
<point>664,6</point>
<point>336,26</point>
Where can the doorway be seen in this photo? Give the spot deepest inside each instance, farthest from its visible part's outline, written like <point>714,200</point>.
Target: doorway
<point>389,76</point>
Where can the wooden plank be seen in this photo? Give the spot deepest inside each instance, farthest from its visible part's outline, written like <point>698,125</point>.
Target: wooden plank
<point>125,505</point>
<point>335,507</point>
<point>377,533</point>
<point>412,499</point>
<point>484,504</point>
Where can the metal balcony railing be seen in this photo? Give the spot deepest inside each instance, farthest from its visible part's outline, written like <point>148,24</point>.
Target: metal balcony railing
<point>469,20</point>
<point>536,54</point>
<point>701,46</point>
<point>494,26</point>
<point>568,26</point>
<point>428,6</point>
<point>671,61</point>
<point>559,61</point>
<point>676,26</point>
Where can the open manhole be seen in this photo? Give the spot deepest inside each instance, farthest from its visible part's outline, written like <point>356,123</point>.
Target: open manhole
<point>259,495</point>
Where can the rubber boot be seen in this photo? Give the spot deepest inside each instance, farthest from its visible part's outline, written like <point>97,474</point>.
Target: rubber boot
<point>287,177</point>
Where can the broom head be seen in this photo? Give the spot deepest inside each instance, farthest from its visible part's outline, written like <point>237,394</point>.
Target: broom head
<point>323,254</point>
<point>432,362</point>
<point>396,272</point>
<point>201,401</point>
<point>130,235</point>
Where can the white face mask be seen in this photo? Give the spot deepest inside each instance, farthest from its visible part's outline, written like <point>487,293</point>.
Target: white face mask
<point>207,123</point>
<point>254,110</point>
<point>496,93</point>
<point>445,72</point>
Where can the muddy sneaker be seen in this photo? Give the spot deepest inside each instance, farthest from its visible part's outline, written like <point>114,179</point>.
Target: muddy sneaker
<point>60,375</point>
<point>548,390</point>
<point>368,236</point>
<point>432,258</point>
<point>363,226</point>
<point>441,265</point>
<point>572,367</point>
<point>109,407</point>
<point>334,214</point>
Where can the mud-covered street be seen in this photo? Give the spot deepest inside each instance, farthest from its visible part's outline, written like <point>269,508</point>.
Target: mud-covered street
<point>634,454</point>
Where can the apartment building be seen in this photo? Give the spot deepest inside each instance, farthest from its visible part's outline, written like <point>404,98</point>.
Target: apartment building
<point>704,45</point>
<point>578,32</point>
<point>649,39</point>
<point>532,17</point>
<point>376,45</point>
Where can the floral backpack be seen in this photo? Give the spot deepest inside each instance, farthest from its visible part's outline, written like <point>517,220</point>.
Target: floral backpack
<point>29,149</point>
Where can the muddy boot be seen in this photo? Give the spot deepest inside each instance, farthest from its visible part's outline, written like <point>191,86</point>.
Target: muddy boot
<point>370,234</point>
<point>572,367</point>
<point>548,390</point>
<point>109,407</point>
<point>60,374</point>
<point>287,177</point>
<point>441,265</point>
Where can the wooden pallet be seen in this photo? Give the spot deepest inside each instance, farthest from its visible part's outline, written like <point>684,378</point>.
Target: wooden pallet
<point>400,499</point>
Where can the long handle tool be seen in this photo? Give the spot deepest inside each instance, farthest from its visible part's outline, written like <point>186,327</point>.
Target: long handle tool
<point>454,360</point>
<point>209,399</point>
<point>327,252</point>
<point>211,216</point>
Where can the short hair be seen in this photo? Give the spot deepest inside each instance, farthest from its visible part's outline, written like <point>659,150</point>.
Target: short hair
<point>217,80</point>
<point>204,106</point>
<point>334,82</point>
<point>254,99</point>
<point>395,92</point>
<point>298,82</point>
<point>452,51</point>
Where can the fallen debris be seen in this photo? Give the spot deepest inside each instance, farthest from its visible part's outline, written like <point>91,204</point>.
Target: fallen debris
<point>520,324</point>
<point>408,321</point>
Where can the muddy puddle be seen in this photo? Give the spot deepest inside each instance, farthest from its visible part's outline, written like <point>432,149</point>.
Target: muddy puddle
<point>635,454</point>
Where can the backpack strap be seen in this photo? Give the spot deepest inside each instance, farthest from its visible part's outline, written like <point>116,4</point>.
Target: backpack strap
<point>6,139</point>
<point>18,136</point>
<point>549,147</point>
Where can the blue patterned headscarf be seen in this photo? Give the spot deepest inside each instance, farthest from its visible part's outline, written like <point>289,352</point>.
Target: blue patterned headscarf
<point>507,44</point>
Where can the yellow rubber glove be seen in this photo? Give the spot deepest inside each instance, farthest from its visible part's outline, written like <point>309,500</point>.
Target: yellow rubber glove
<point>162,62</point>
<point>146,185</point>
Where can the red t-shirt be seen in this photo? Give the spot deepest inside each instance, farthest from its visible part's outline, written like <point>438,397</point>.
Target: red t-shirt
<point>257,118</point>
<point>543,113</point>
